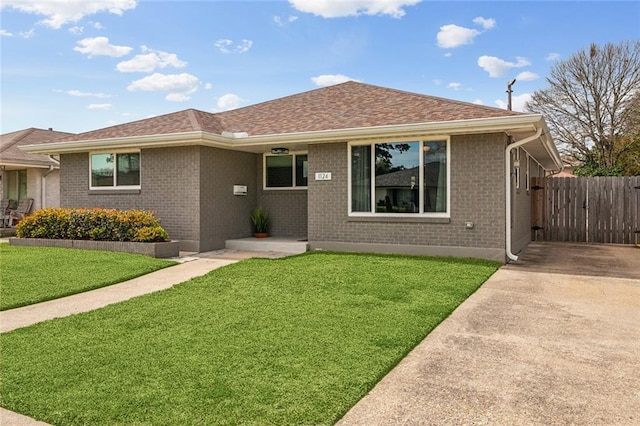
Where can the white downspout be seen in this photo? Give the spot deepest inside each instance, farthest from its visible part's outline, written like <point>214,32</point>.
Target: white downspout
<point>43,192</point>
<point>507,162</point>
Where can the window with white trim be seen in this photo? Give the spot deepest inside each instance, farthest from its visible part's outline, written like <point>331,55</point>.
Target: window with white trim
<point>115,170</point>
<point>399,178</point>
<point>516,166</point>
<point>527,175</point>
<point>285,171</point>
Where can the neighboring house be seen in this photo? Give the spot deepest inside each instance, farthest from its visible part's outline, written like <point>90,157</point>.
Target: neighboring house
<point>351,167</point>
<point>567,171</point>
<point>29,175</point>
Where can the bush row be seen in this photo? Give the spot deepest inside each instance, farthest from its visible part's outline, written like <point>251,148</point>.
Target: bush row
<point>92,224</point>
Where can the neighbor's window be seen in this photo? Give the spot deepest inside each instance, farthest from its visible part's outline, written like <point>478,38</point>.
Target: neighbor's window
<point>409,178</point>
<point>285,171</point>
<point>16,185</point>
<point>115,170</point>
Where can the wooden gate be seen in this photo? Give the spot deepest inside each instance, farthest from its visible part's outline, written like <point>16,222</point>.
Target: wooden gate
<point>586,209</point>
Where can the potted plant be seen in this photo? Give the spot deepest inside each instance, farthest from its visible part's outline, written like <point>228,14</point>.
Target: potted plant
<point>260,220</point>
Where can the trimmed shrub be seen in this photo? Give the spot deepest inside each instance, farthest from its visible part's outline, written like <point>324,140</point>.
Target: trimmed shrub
<point>92,224</point>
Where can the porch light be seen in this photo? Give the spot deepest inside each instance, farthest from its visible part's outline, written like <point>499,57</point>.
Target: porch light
<point>279,151</point>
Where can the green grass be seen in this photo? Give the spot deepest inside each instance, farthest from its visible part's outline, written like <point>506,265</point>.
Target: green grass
<point>36,274</point>
<point>297,340</point>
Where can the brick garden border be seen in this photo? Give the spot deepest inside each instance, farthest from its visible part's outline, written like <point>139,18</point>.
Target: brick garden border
<point>161,250</point>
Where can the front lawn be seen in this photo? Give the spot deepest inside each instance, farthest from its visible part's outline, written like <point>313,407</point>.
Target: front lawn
<point>35,274</point>
<point>297,340</point>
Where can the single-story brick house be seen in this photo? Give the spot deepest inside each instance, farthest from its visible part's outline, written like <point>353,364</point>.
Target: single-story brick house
<point>29,175</point>
<point>350,167</point>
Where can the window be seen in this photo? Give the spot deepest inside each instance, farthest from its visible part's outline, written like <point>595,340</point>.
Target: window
<point>407,178</point>
<point>115,170</point>
<point>16,184</point>
<point>285,171</point>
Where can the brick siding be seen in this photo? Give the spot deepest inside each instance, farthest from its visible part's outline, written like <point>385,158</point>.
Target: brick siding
<point>185,187</point>
<point>477,195</point>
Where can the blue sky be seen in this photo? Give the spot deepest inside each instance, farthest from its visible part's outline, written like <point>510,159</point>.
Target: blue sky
<point>76,65</point>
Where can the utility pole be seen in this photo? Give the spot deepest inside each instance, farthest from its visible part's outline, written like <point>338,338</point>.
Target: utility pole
<point>509,92</point>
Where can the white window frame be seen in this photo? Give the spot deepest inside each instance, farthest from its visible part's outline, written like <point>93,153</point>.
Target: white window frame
<point>294,155</point>
<point>115,186</point>
<point>516,167</point>
<point>373,212</point>
<point>527,174</point>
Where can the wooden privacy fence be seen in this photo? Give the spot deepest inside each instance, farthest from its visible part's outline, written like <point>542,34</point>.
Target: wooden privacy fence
<point>586,209</point>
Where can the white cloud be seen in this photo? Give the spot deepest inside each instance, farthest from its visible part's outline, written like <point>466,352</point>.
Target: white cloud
<point>76,30</point>
<point>331,79</point>
<point>150,61</point>
<point>281,22</point>
<point>244,46</point>
<point>223,44</point>
<point>97,25</point>
<point>497,67</point>
<point>337,9</point>
<point>527,76</point>
<point>478,102</point>
<point>437,82</point>
<point>454,86</point>
<point>229,101</point>
<point>5,33</point>
<point>100,106</point>
<point>208,86</point>
<point>487,24</point>
<point>517,102</point>
<point>59,13</point>
<point>552,56</point>
<point>178,86</point>
<point>451,36</point>
<point>99,46</point>
<point>27,34</point>
<point>227,46</point>
<point>84,94</point>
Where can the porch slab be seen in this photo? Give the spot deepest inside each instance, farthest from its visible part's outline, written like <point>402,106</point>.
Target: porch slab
<point>270,244</point>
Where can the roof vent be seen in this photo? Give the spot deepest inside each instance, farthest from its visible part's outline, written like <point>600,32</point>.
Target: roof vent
<point>235,135</point>
<point>50,129</point>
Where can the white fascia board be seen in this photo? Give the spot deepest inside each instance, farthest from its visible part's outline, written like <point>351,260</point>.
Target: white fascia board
<point>525,122</point>
<point>133,142</point>
<point>28,164</point>
<point>485,125</point>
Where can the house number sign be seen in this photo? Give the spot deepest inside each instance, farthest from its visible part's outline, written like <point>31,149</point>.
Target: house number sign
<point>323,176</point>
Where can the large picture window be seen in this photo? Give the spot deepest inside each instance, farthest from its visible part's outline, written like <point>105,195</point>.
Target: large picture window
<point>115,170</point>
<point>400,178</point>
<point>285,171</point>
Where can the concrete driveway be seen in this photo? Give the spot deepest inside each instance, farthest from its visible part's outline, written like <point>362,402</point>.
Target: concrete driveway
<point>551,340</point>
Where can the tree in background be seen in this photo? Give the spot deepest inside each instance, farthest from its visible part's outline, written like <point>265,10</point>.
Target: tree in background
<point>592,106</point>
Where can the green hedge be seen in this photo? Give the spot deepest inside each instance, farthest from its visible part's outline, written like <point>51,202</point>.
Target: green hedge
<point>92,224</point>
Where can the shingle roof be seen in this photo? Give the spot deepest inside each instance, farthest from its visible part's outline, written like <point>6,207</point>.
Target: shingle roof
<point>350,105</point>
<point>343,106</point>
<point>9,143</point>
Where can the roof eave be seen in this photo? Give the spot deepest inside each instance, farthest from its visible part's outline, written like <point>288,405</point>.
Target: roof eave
<point>456,127</point>
<point>8,162</point>
<point>522,123</point>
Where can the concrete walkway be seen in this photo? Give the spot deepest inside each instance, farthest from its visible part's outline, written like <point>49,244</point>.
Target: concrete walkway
<point>94,299</point>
